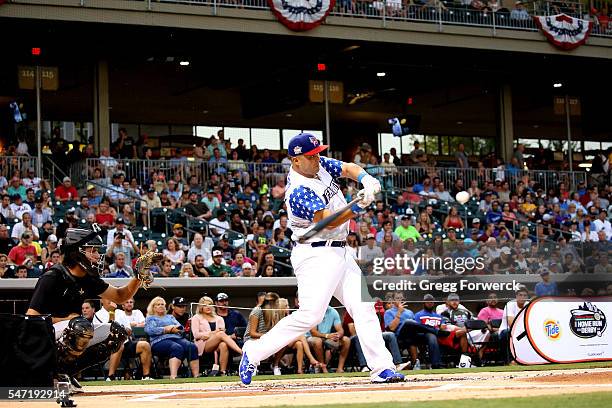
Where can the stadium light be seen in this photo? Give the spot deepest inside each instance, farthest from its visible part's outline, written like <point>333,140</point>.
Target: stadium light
<point>184,63</point>
<point>557,85</point>
<point>381,74</point>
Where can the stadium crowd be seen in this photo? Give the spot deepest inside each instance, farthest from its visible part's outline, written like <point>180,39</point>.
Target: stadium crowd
<point>221,213</point>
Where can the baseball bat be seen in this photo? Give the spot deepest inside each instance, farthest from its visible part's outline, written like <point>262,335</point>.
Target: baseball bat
<point>320,226</point>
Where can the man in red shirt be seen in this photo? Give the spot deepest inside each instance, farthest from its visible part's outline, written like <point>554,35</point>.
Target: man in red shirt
<point>19,254</point>
<point>66,191</point>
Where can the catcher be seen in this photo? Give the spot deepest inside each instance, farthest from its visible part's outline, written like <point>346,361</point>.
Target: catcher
<point>60,292</point>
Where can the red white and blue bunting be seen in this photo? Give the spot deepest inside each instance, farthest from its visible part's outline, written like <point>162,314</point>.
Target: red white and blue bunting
<point>564,31</point>
<point>301,15</point>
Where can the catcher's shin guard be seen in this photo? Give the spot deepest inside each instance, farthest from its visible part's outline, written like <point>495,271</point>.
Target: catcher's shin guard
<point>72,364</point>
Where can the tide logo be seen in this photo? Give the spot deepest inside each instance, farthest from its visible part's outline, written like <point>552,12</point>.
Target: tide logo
<point>552,329</point>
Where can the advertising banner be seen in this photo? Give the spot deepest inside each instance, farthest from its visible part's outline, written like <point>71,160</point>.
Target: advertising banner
<point>563,330</point>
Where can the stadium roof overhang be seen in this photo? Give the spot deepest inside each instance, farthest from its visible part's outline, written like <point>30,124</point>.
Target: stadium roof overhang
<point>259,80</point>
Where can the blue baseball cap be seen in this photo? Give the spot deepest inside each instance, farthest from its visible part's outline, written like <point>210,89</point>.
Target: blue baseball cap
<point>305,143</point>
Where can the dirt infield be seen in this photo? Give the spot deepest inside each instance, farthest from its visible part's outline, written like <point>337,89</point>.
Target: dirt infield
<point>317,391</point>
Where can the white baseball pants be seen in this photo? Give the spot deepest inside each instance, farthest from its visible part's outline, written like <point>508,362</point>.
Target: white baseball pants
<point>323,272</point>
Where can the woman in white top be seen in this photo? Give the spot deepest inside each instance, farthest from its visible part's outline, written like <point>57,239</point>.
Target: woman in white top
<point>588,235</point>
<point>173,252</point>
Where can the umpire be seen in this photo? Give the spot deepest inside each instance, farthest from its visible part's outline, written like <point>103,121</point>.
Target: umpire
<point>60,292</point>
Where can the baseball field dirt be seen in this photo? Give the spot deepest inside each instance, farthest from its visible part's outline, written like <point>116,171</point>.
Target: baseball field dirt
<point>594,381</point>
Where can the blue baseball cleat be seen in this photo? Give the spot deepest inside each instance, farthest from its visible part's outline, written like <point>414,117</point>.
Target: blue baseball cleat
<point>388,376</point>
<point>246,370</point>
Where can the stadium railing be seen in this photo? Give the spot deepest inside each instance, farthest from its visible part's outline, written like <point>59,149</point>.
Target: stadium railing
<point>431,11</point>
<point>10,165</point>
<point>398,178</point>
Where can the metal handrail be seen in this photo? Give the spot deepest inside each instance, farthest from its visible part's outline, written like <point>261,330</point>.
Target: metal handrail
<point>439,12</point>
<point>397,178</point>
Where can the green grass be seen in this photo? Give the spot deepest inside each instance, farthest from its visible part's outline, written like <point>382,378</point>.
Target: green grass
<point>590,400</point>
<point>408,373</point>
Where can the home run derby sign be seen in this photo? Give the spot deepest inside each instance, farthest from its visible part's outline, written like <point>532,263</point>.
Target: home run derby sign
<point>301,15</point>
<point>563,330</point>
<point>563,31</point>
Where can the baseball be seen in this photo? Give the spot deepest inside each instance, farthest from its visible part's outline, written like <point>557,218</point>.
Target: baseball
<point>462,197</point>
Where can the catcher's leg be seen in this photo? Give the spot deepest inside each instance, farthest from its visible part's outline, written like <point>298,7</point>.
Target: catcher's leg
<point>72,360</point>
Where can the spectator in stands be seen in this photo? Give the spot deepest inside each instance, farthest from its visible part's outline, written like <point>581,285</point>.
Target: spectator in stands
<point>369,252</point>
<point>199,269</point>
<point>217,268</point>
<point>18,207</point>
<point>491,312</point>
<point>387,227</point>
<point>519,13</point>
<point>218,162</point>
<point>601,223</point>
<point>262,318</point>
<point>4,270</point>
<point>21,272</point>
<point>329,335</point>
<point>197,209</point>
<point>25,225</point>
<point>428,317</point>
<point>6,211</point>
<point>198,248</point>
<point>219,225</point>
<point>40,215</point>
<point>51,246</point>
<point>6,242</point>
<point>66,191</point>
<point>166,269</point>
<point>603,265</point>
<point>178,309</point>
<point>119,268</point>
<point>25,251</point>
<point>546,287</point>
<point>30,198</point>
<point>173,251</point>
<point>210,336</point>
<point>93,197</point>
<point>232,318</point>
<point>30,180</point>
<point>88,310</point>
<point>511,310</point>
<point>83,210</point>
<point>117,247</point>
<point>133,316</point>
<point>165,334</point>
<point>105,218</point>
<point>187,271</point>
<point>131,348</point>
<point>16,188</point>
<point>124,147</point>
<point>453,220</point>
<point>70,221</point>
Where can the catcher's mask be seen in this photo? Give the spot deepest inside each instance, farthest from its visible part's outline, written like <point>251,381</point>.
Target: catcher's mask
<point>85,247</point>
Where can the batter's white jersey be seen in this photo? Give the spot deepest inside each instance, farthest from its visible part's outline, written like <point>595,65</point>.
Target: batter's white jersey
<point>305,196</point>
<point>322,272</point>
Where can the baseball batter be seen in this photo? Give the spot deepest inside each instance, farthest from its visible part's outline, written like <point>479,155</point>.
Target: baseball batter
<point>322,265</point>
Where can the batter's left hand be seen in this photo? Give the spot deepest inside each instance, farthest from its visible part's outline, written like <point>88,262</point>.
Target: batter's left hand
<point>366,199</point>
<point>371,185</point>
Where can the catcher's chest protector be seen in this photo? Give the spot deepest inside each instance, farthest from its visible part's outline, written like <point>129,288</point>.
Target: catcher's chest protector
<point>27,351</point>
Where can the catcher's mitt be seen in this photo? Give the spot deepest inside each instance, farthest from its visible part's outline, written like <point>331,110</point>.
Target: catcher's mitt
<point>143,267</point>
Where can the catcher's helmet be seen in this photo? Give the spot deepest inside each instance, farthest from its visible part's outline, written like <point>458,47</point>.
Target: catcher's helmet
<point>85,248</point>
<point>78,333</point>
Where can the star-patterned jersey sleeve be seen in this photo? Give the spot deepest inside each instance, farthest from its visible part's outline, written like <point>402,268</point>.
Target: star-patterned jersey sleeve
<point>333,166</point>
<point>304,203</point>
